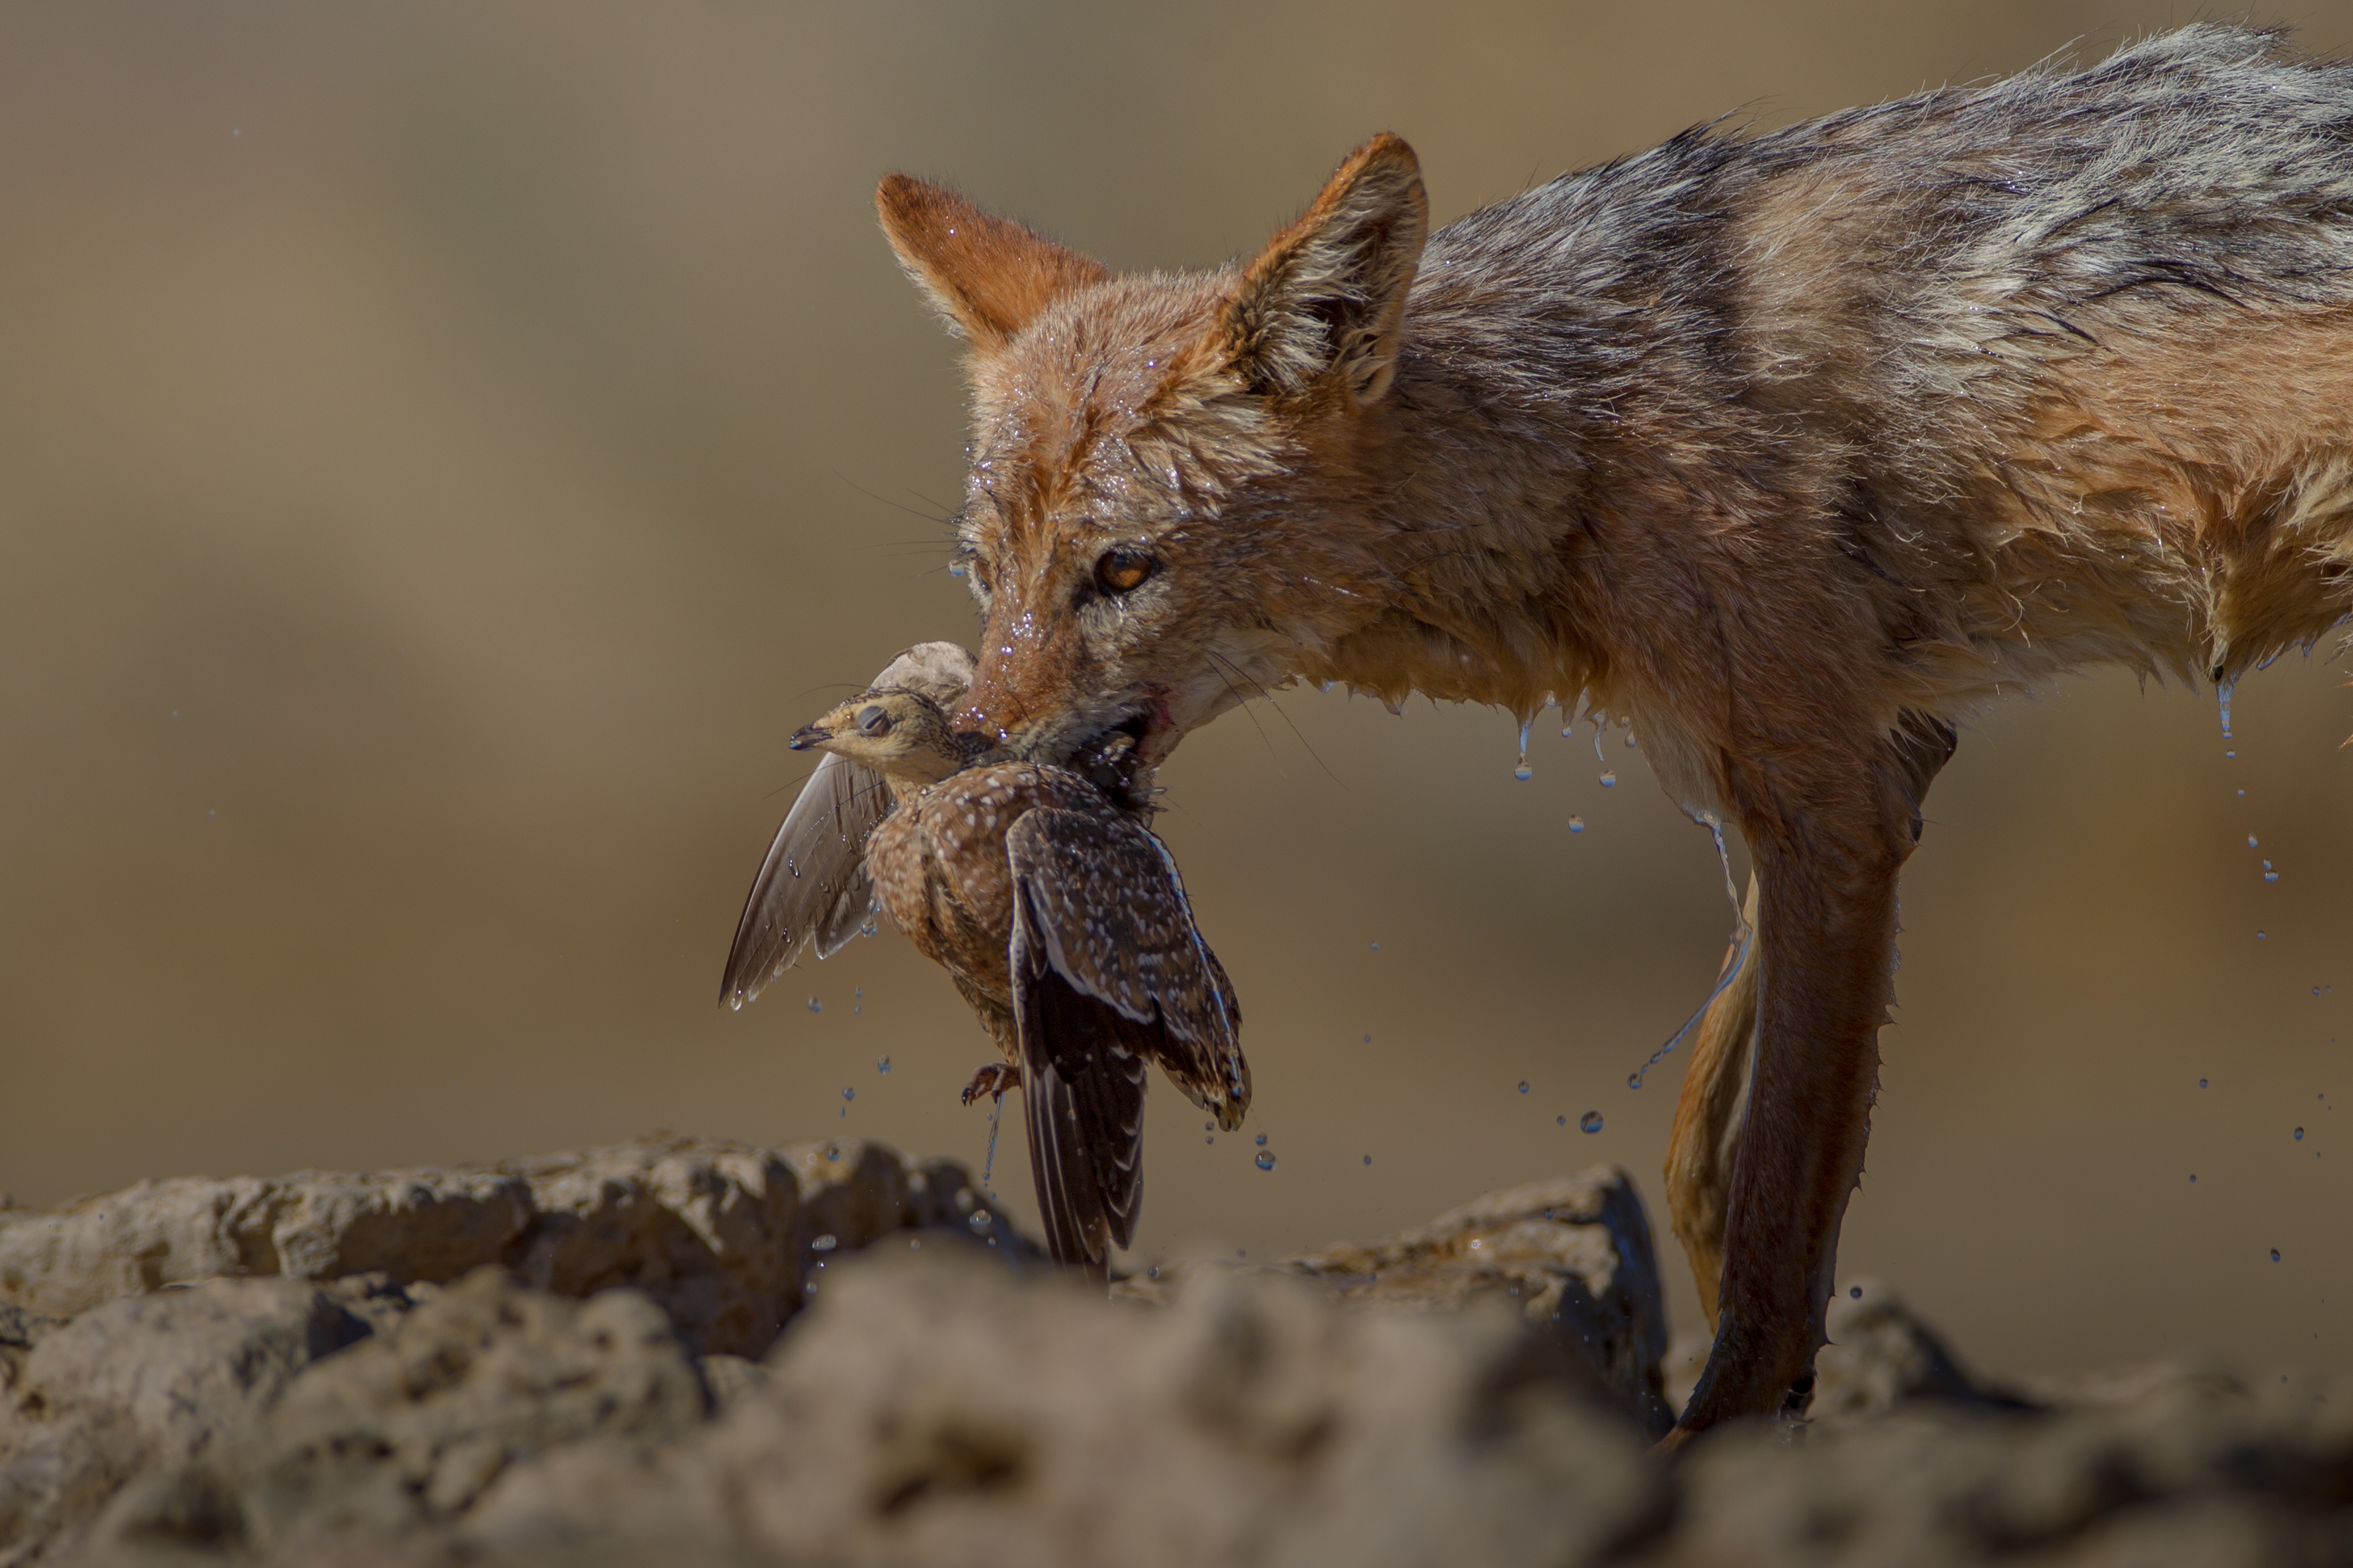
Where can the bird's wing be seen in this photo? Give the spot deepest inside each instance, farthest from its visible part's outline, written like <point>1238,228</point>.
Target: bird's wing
<point>1083,1069</point>
<point>813,886</point>
<point>1116,927</point>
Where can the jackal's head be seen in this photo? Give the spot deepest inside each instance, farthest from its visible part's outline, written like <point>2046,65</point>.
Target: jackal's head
<point>1163,512</point>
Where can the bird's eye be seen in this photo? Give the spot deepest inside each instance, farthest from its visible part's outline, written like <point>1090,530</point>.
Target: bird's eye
<point>873,720</point>
<point>1123,569</point>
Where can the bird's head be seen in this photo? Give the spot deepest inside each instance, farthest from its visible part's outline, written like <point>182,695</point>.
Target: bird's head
<point>901,734</point>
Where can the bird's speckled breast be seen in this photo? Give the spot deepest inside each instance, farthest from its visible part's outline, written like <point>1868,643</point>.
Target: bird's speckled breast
<point>939,864</point>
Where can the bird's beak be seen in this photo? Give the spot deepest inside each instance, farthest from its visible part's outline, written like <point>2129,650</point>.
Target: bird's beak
<point>809,735</point>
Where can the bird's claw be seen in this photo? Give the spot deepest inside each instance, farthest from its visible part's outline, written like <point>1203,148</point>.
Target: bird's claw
<point>993,1079</point>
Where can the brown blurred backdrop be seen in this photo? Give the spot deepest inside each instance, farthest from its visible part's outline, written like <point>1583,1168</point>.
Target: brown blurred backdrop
<point>445,449</point>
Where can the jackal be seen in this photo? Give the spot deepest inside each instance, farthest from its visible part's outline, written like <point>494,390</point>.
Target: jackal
<point>1791,449</point>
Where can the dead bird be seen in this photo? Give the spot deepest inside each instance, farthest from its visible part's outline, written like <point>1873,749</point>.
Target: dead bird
<point>1063,921</point>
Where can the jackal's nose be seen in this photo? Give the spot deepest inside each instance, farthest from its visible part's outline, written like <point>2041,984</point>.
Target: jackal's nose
<point>809,735</point>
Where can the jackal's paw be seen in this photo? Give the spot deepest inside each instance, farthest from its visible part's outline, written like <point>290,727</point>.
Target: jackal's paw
<point>993,1079</point>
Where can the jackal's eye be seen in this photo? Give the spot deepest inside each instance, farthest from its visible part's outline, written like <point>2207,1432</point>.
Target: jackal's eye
<point>1121,569</point>
<point>873,720</point>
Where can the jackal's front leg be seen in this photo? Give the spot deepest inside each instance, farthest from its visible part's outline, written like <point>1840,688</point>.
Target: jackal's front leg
<point>1821,964</point>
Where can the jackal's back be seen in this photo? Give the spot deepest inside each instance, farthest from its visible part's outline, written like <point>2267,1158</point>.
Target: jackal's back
<point>2067,357</point>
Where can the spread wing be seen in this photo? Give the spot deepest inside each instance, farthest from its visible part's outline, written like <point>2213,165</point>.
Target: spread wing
<point>813,886</point>
<point>1108,975</point>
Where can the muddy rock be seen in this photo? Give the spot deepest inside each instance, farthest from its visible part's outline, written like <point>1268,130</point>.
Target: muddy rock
<point>2185,1469</point>
<point>1573,1255</point>
<point>144,1384</point>
<point>720,1234</point>
<point>404,1432</point>
<point>939,1408</point>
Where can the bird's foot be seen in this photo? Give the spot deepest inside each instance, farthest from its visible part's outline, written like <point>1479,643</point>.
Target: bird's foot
<point>993,1079</point>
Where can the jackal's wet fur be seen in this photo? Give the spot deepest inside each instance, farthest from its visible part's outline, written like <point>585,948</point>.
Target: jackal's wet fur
<point>1790,448</point>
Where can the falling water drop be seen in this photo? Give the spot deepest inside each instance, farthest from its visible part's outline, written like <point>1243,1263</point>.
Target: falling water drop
<point>1368,1040</point>
<point>2201,1083</point>
<point>1560,1122</point>
<point>1523,1085</point>
<point>2252,843</point>
<point>1576,824</point>
<point>1609,778</point>
<point>2299,1134</point>
<point>850,1094</point>
<point>883,1065</point>
<point>1589,1122</point>
<point>2261,936</point>
<point>1368,1159</point>
<point>2223,691</point>
<point>2275,1255</point>
<point>1633,1080</point>
<point>815,1006</point>
<point>1265,1161</point>
<point>955,568</point>
<point>1262,1140</point>
<point>1522,772</point>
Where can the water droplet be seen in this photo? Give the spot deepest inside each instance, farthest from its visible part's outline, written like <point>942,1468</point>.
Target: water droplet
<point>815,1006</point>
<point>1368,1159</point>
<point>824,1244</point>
<point>1210,1139</point>
<point>1609,780</point>
<point>1576,824</point>
<point>2251,841</point>
<point>2230,756</point>
<point>2261,936</point>
<point>850,1094</point>
<point>1262,1140</point>
<point>1368,1040</point>
<point>833,1153</point>
<point>955,570</point>
<point>2224,692</point>
<point>1560,1122</point>
<point>1209,1127</point>
<point>979,1220</point>
<point>2275,1255</point>
<point>2193,1177</point>
<point>1633,1080</point>
<point>1523,1085</point>
<point>2243,795</point>
<point>1524,773</point>
<point>1376,947</point>
<point>2271,875</point>
<point>2299,1134</point>
<point>1589,1122</point>
<point>1265,1160</point>
<point>1630,740</point>
<point>2201,1083</point>
<point>883,1065</point>
<point>1854,1292</point>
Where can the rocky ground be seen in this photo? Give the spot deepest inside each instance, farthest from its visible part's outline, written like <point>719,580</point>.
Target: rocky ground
<point>681,1353</point>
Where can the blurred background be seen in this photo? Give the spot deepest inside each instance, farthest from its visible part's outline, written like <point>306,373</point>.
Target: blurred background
<point>445,449</point>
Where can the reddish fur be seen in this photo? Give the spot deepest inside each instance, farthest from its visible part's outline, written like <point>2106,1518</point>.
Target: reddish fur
<point>1338,487</point>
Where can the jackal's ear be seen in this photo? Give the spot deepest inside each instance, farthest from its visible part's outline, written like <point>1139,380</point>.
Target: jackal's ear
<point>988,276</point>
<point>1327,298</point>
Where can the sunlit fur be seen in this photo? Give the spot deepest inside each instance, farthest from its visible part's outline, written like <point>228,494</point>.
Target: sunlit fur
<point>1787,448</point>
